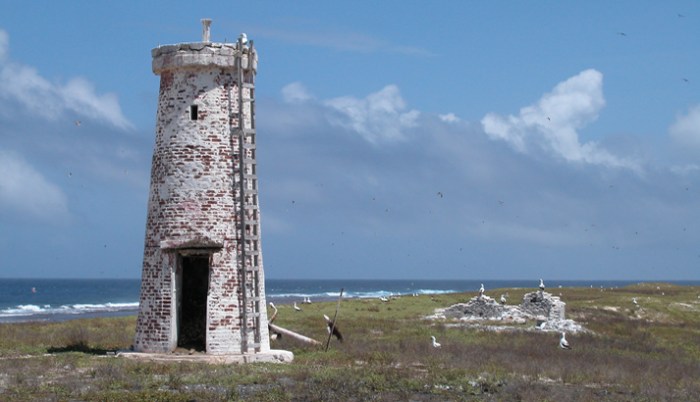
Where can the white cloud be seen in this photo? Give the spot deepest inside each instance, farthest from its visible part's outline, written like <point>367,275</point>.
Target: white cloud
<point>295,92</point>
<point>449,118</point>
<point>553,122</point>
<point>4,44</point>
<point>27,192</point>
<point>79,95</point>
<point>380,117</point>
<point>23,84</point>
<point>684,170</point>
<point>686,129</point>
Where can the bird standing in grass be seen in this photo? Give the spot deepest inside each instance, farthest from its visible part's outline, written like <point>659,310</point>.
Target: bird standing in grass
<point>563,343</point>
<point>296,308</point>
<point>503,299</point>
<point>332,328</point>
<point>435,343</point>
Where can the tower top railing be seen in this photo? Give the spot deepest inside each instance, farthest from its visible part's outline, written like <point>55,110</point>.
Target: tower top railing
<point>205,53</point>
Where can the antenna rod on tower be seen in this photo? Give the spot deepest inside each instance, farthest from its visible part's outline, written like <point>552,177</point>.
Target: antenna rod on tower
<point>206,30</point>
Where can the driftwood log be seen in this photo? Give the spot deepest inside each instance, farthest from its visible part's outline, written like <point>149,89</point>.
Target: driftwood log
<point>283,331</point>
<point>293,335</point>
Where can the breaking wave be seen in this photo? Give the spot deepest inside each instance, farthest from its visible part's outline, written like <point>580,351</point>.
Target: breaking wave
<point>31,310</point>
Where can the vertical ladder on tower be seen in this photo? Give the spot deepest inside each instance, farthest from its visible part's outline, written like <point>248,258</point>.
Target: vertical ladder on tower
<point>250,262</point>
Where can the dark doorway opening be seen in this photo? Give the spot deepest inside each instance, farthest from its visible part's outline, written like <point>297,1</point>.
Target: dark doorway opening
<point>192,331</point>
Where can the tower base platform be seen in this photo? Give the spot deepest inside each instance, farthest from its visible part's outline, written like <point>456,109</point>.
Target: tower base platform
<point>273,356</point>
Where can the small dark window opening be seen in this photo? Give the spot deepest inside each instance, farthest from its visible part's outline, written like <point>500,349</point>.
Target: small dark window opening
<point>193,112</point>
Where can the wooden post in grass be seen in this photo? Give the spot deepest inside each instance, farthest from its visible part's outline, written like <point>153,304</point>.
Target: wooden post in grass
<point>337,307</point>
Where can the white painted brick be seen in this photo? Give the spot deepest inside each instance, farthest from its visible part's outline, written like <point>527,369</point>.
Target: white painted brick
<point>194,199</point>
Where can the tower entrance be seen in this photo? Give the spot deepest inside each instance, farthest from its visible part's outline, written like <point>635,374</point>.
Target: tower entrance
<point>192,302</point>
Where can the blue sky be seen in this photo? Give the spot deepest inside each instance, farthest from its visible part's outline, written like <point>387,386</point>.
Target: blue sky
<point>396,139</point>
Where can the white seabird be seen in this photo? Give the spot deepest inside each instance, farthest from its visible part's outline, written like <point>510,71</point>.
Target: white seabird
<point>634,300</point>
<point>435,343</point>
<point>563,343</point>
<point>481,290</point>
<point>503,299</point>
<point>541,285</point>
<point>384,299</point>
<point>297,308</point>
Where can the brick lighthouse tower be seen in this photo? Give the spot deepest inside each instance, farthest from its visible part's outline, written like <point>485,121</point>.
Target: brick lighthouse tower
<point>202,283</point>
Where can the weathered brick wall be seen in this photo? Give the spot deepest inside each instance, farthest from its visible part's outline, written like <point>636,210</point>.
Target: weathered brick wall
<point>194,202</point>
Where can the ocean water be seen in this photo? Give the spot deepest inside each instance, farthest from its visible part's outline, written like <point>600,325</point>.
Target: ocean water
<point>61,299</point>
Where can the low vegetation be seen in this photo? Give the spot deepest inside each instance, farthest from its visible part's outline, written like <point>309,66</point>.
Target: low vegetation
<point>644,352</point>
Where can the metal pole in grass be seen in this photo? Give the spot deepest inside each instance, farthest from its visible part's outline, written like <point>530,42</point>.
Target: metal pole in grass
<point>330,333</point>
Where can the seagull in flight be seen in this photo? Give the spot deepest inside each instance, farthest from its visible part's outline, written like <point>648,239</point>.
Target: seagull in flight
<point>563,343</point>
<point>435,343</point>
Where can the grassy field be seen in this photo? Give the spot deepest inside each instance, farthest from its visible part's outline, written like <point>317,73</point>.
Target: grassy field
<point>645,353</point>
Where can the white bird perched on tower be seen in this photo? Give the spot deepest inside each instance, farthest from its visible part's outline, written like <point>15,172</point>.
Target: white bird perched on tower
<point>481,290</point>
<point>435,343</point>
<point>541,285</point>
<point>296,308</point>
<point>563,343</point>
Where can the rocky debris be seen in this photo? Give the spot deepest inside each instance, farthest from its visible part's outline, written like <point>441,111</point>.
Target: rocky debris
<point>479,307</point>
<point>547,311</point>
<point>543,304</point>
